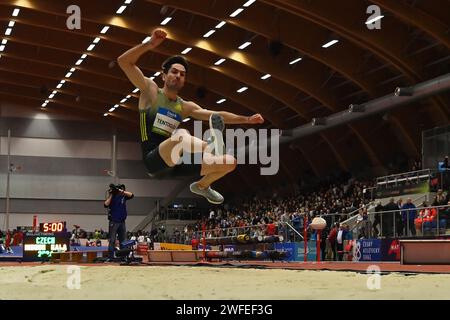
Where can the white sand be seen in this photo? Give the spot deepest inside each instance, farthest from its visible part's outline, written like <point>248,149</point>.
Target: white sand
<point>197,283</point>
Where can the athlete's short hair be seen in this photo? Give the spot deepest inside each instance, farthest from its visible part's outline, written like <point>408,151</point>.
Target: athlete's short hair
<point>172,60</point>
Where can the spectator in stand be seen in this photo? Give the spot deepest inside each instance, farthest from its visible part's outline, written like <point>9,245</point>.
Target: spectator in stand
<point>332,239</point>
<point>362,223</point>
<point>340,237</point>
<point>388,218</point>
<point>445,164</point>
<point>323,243</point>
<point>408,217</point>
<point>377,221</point>
<point>270,229</point>
<point>417,165</point>
<point>398,219</point>
<point>8,240</point>
<point>17,237</point>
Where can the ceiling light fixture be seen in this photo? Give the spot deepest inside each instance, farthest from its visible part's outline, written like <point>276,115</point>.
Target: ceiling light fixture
<point>295,61</point>
<point>249,3</point>
<point>209,33</point>
<point>121,9</point>
<point>104,30</point>
<point>219,62</point>
<point>220,25</point>
<point>166,21</point>
<point>185,51</point>
<point>235,13</point>
<point>329,44</point>
<point>244,45</point>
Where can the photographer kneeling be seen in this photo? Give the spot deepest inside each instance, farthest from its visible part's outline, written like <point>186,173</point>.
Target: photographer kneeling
<point>117,214</point>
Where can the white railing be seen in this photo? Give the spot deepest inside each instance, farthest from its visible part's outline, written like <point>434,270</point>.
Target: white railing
<point>404,177</point>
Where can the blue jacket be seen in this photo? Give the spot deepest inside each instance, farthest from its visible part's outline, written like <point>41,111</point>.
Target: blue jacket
<point>118,208</point>
<point>411,214</point>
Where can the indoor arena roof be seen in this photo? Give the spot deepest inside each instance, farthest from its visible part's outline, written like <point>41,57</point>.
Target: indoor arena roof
<point>298,59</point>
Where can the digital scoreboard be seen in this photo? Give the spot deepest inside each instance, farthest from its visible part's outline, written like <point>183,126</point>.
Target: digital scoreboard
<point>40,245</point>
<point>59,226</point>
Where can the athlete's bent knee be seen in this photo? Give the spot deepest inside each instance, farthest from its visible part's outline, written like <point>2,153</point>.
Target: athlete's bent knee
<point>180,134</point>
<point>230,163</point>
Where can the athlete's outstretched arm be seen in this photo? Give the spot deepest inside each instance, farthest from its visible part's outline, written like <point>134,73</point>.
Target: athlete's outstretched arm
<point>128,60</point>
<point>191,109</point>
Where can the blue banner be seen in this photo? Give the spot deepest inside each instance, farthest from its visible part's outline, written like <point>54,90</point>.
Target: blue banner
<point>229,248</point>
<point>368,250</point>
<point>296,250</point>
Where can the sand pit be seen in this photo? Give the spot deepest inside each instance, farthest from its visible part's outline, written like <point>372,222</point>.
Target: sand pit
<point>198,283</point>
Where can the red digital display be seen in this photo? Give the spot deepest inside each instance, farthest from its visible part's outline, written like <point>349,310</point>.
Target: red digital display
<point>53,227</point>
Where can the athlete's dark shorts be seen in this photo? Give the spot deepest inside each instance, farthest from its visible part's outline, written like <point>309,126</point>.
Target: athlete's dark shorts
<point>156,165</point>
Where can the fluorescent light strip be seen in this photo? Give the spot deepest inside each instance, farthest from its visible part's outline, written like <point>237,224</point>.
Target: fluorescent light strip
<point>146,40</point>
<point>105,114</point>
<point>123,100</point>
<point>51,96</point>
<point>295,61</point>
<point>153,78</point>
<point>72,70</point>
<point>157,74</point>
<point>374,19</point>
<point>221,101</point>
<point>128,96</point>
<point>186,120</point>
<point>111,110</point>
<point>185,51</point>
<point>329,44</point>
<point>15,12</point>
<point>235,13</point>
<point>209,33</point>
<point>11,24</point>
<point>128,1</point>
<point>249,3</point>
<point>92,46</point>
<point>219,62</point>
<point>244,45</point>
<point>59,86</point>
<point>242,89</point>
<point>63,81</point>
<point>121,9</point>
<point>116,106</point>
<point>44,105</point>
<point>136,90</point>
<point>166,21</point>
<point>54,92</point>
<point>69,74</point>
<point>220,25</point>
<point>8,32</point>
<point>104,30</point>
<point>96,40</point>
<point>267,76</point>
<point>79,62</point>
<point>2,47</point>
<point>4,41</point>
<point>84,56</point>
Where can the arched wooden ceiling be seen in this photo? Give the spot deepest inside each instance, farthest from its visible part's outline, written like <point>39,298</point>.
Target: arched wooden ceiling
<point>412,46</point>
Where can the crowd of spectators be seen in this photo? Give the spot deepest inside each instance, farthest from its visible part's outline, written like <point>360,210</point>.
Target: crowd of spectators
<point>258,215</point>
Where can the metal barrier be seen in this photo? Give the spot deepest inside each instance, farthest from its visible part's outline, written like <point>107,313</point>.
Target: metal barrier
<point>289,232</point>
<point>413,176</point>
<point>391,222</point>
